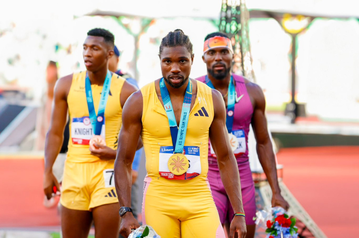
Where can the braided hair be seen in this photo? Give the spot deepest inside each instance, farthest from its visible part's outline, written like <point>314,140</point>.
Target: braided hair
<point>176,38</point>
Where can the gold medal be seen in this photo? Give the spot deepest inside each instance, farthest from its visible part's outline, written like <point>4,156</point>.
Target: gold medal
<point>98,140</point>
<point>233,142</point>
<point>178,164</point>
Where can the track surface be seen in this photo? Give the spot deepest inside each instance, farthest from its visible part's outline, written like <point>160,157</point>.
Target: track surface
<point>324,180</point>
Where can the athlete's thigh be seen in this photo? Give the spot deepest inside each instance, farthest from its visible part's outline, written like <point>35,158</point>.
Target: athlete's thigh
<point>206,225</point>
<point>75,223</point>
<point>107,220</point>
<point>159,216</point>
<point>163,224</point>
<point>219,195</point>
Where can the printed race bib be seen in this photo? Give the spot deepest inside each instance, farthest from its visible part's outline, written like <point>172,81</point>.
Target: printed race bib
<point>81,131</point>
<point>241,137</point>
<point>242,146</point>
<point>192,154</point>
<point>109,177</point>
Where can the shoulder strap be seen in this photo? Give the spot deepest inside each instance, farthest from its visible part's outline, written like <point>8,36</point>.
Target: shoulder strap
<point>202,79</point>
<point>238,78</point>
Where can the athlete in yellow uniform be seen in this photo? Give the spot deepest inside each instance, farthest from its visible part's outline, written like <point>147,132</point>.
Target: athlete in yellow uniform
<point>177,198</point>
<point>94,100</point>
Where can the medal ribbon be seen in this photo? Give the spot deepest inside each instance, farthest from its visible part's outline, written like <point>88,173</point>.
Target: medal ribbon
<point>96,124</point>
<point>230,104</point>
<point>178,134</point>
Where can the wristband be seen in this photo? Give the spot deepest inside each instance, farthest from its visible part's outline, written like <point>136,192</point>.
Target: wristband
<point>240,214</point>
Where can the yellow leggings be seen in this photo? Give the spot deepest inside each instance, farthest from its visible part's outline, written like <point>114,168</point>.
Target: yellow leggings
<point>178,212</point>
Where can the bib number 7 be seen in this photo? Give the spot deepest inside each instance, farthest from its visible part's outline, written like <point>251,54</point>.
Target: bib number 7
<point>109,177</point>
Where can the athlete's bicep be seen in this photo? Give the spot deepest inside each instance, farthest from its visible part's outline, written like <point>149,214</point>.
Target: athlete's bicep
<point>131,127</point>
<point>60,106</point>
<point>218,130</point>
<point>259,120</point>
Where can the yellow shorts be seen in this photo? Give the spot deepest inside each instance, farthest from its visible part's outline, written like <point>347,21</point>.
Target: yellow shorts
<point>88,185</point>
<point>180,209</point>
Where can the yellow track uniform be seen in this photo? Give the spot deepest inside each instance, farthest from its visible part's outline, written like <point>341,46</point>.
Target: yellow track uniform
<point>88,181</point>
<point>178,206</point>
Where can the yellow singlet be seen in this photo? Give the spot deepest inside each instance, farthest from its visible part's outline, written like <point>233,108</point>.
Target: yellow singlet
<point>80,125</point>
<point>178,206</point>
<point>88,181</point>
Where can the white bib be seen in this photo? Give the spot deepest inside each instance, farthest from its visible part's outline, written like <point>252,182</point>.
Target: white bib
<point>109,177</point>
<point>81,131</point>
<point>242,146</point>
<point>192,153</point>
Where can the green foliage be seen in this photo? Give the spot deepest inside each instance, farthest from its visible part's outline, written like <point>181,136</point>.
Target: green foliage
<point>145,232</point>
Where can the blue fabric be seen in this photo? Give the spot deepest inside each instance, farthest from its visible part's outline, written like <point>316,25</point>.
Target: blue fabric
<point>137,160</point>
<point>133,82</point>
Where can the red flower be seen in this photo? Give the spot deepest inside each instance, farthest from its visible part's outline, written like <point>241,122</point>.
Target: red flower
<point>269,224</point>
<point>271,236</point>
<point>287,223</point>
<point>281,220</point>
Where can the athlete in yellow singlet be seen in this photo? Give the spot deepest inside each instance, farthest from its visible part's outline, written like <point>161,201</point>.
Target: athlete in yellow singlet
<point>177,198</point>
<point>88,193</point>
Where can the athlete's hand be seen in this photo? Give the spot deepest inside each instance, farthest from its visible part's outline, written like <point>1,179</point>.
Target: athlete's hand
<point>279,201</point>
<point>238,227</point>
<point>51,185</point>
<point>128,223</point>
<point>103,152</point>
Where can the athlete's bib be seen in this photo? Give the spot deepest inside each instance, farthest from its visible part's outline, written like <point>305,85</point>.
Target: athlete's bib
<point>241,148</point>
<point>81,131</point>
<point>109,177</point>
<point>192,153</point>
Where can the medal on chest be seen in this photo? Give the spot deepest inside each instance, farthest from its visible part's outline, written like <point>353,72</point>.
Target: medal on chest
<point>97,121</point>
<point>178,164</point>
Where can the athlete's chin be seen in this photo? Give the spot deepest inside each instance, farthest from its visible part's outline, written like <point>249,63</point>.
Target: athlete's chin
<point>176,83</point>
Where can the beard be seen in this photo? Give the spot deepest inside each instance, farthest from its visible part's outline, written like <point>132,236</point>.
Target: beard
<point>220,75</point>
<point>184,80</point>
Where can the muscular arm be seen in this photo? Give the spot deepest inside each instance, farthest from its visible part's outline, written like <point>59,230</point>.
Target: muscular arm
<point>128,141</point>
<point>54,136</point>
<point>264,144</point>
<point>226,161</point>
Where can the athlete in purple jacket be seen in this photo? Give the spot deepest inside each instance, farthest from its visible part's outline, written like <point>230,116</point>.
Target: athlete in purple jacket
<point>245,105</point>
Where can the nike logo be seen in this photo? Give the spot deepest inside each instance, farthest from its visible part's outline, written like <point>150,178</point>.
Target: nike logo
<point>239,98</point>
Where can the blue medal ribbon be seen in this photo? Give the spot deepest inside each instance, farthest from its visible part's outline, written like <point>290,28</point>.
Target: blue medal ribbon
<point>97,120</point>
<point>178,134</point>
<point>230,103</point>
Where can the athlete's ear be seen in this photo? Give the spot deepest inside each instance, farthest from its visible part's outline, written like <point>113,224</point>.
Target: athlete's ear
<point>110,54</point>
<point>192,57</point>
<point>203,59</point>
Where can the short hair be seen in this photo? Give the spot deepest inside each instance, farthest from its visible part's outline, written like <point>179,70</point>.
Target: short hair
<point>213,34</point>
<point>108,37</point>
<point>176,38</point>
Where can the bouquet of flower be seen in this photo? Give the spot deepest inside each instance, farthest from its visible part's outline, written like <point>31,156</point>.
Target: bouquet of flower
<point>278,223</point>
<point>144,232</point>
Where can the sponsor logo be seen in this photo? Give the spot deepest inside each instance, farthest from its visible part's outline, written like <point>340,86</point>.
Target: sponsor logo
<point>99,118</point>
<point>230,113</point>
<point>201,113</point>
<point>111,194</point>
<point>238,98</point>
